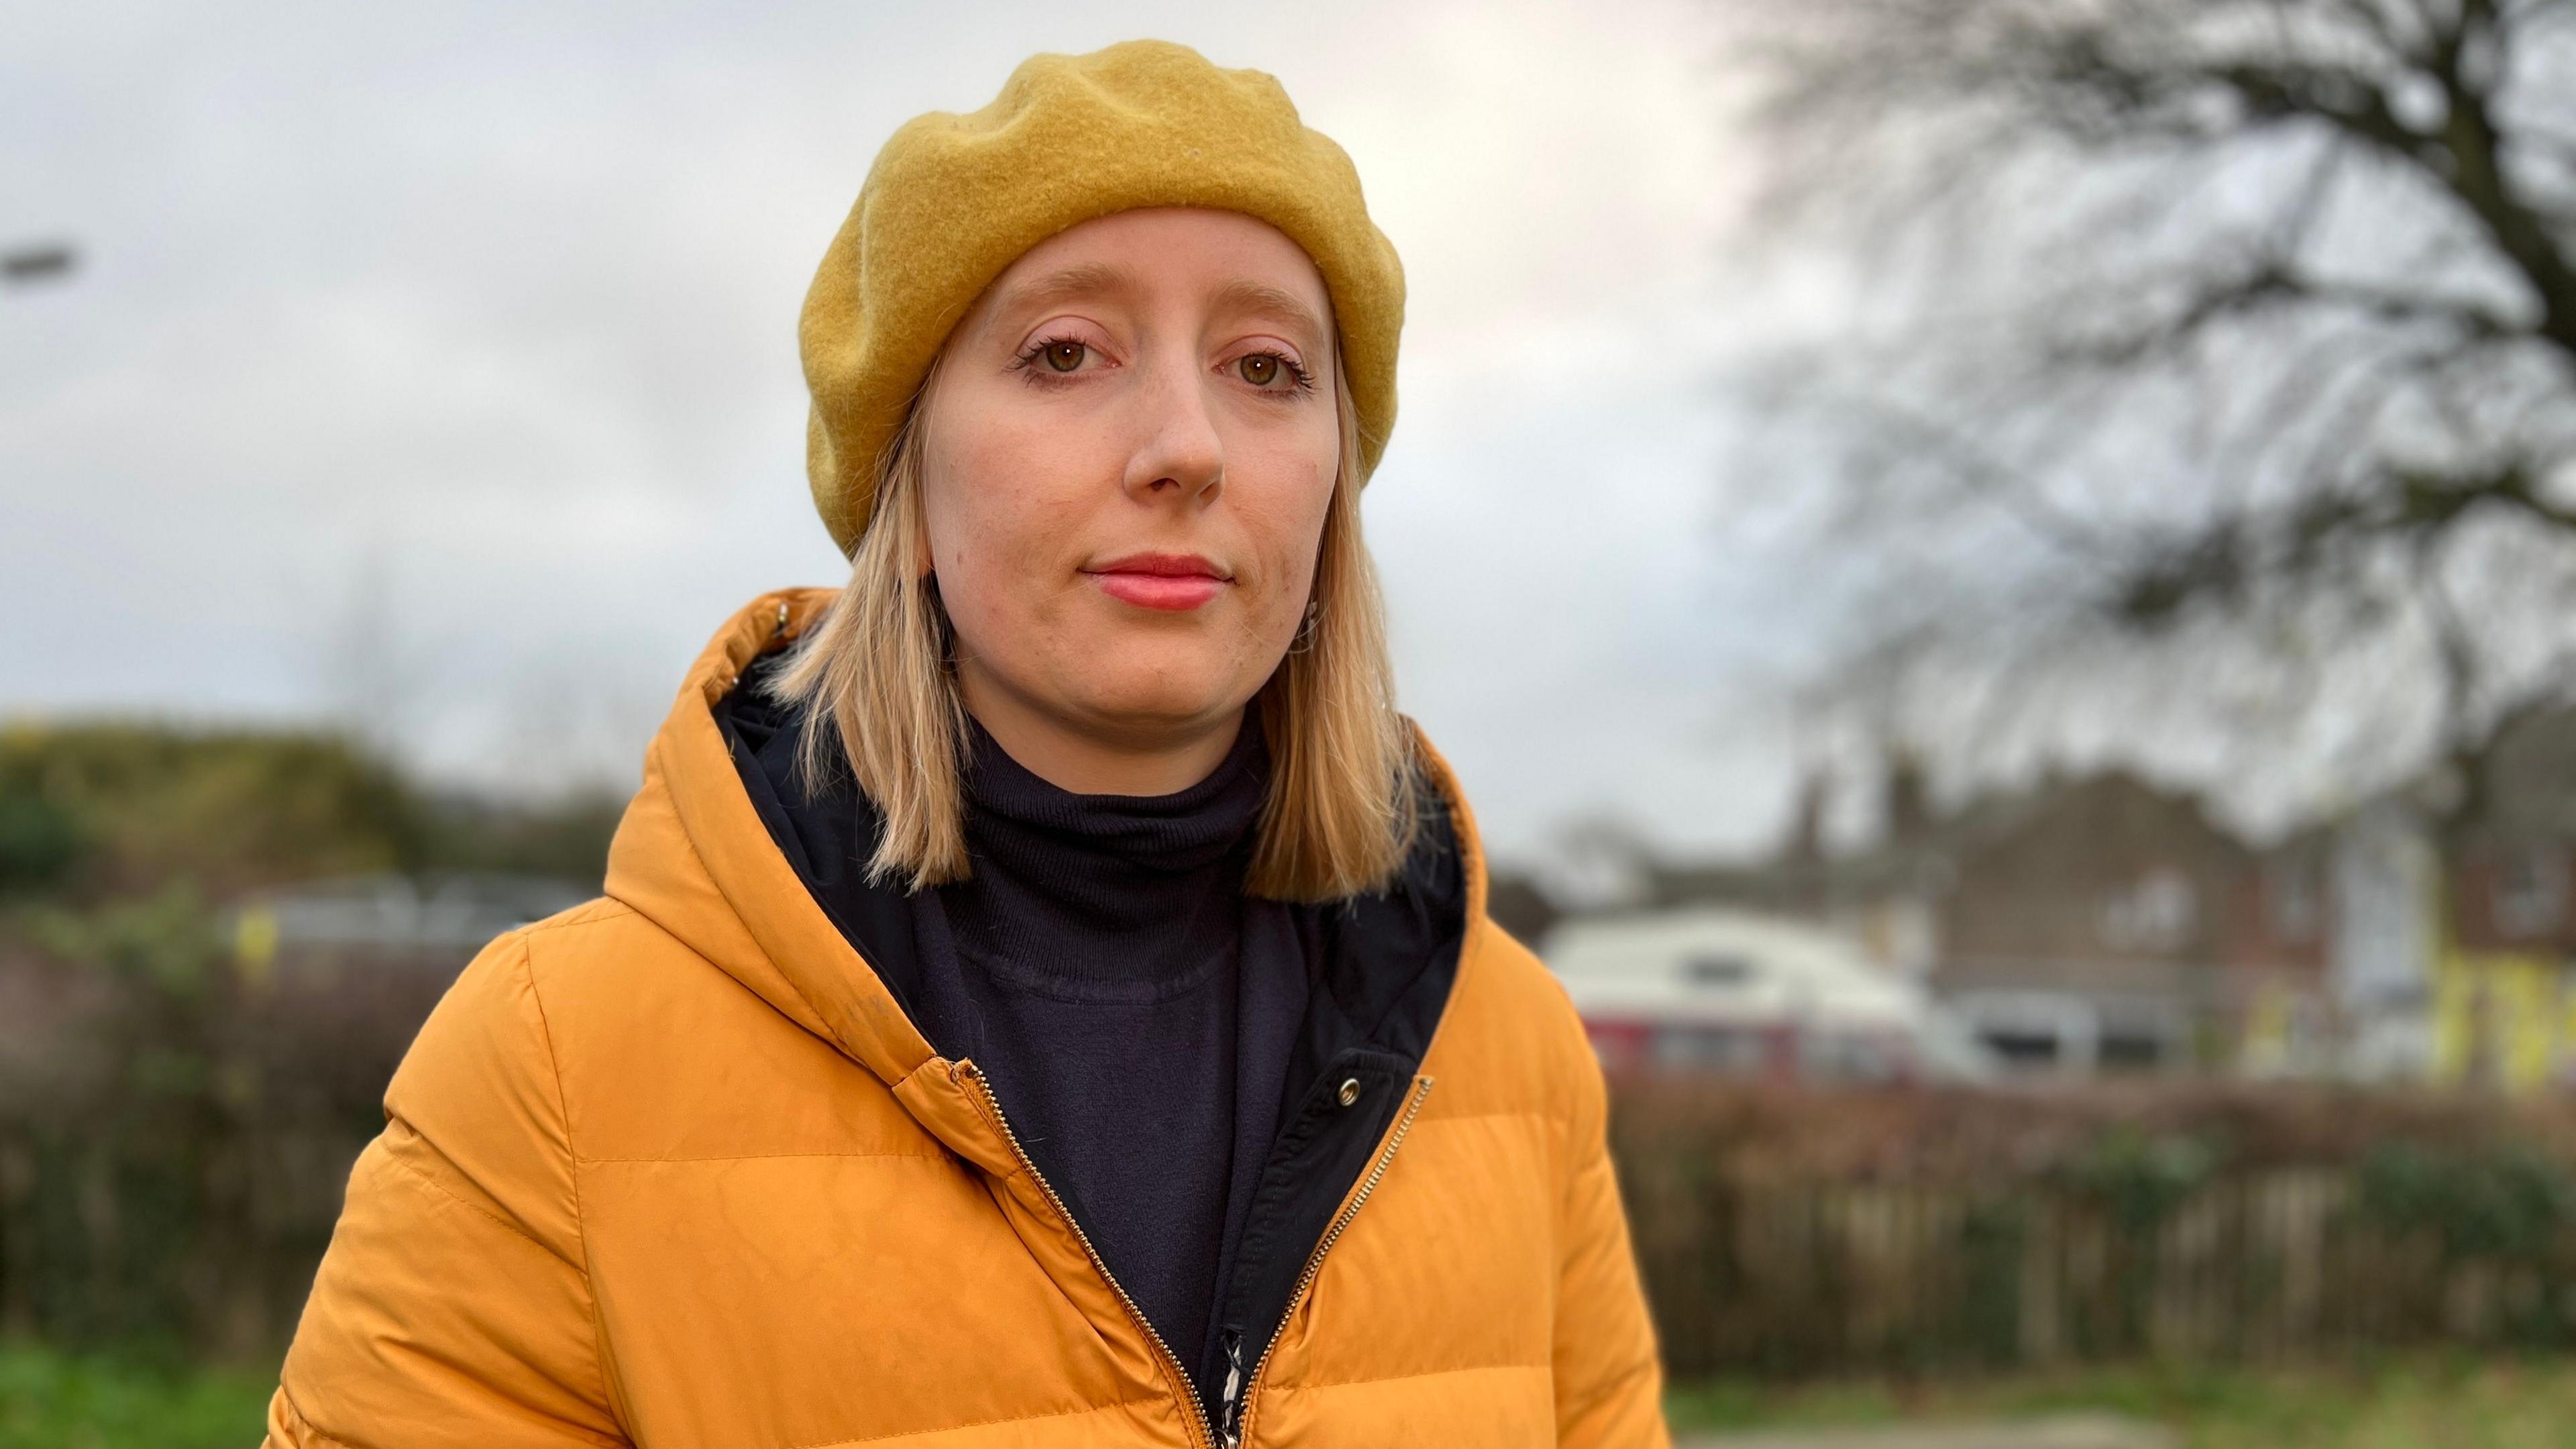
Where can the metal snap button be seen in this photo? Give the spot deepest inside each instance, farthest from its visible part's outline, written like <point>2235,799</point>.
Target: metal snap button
<point>1350,1090</point>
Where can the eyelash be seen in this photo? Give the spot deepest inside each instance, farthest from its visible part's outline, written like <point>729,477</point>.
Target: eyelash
<point>1299,377</point>
<point>1301,380</point>
<point>1027,362</point>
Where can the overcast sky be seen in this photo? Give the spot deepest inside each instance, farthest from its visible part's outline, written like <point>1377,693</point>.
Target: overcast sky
<point>440,359</point>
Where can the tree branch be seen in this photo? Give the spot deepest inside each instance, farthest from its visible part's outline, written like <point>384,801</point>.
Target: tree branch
<point>2267,286</point>
<point>2217,563</point>
<point>2477,177</point>
<point>2086,81</point>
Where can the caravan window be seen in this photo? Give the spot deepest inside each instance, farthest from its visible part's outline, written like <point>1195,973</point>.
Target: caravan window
<point>1718,971</point>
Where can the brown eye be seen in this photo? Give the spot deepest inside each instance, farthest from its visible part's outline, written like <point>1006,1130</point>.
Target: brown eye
<point>1065,356</point>
<point>1260,369</point>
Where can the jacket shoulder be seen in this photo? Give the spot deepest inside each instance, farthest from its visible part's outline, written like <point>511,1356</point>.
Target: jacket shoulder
<point>579,936</point>
<point>661,1054</point>
<point>1512,1034</point>
<point>476,1106</point>
<point>604,958</point>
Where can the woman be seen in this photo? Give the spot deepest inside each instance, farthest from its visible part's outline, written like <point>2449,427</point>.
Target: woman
<point>1043,993</point>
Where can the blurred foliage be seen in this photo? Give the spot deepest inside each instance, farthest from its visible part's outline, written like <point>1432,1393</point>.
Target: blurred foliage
<point>52,1400</point>
<point>167,940</point>
<point>2504,1214</point>
<point>105,809</point>
<point>177,1120</point>
<point>2135,1144</point>
<point>1993,1245</point>
<point>2507,1204</point>
<point>2140,1179</point>
<point>129,1157</point>
<point>564,839</point>
<point>112,808</point>
<point>2411,1402</point>
<point>1801,1233</point>
<point>39,840</point>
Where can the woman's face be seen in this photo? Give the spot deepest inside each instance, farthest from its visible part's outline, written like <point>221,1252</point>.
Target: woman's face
<point>1127,457</point>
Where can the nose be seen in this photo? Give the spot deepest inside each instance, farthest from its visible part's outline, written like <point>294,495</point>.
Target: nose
<point>1181,457</point>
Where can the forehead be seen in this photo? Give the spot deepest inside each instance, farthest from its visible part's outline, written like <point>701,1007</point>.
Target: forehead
<point>1195,252</point>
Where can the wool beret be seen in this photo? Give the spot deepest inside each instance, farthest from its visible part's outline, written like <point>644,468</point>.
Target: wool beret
<point>952,200</point>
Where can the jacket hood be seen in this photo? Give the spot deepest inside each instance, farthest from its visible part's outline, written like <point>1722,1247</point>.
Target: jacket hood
<point>693,855</point>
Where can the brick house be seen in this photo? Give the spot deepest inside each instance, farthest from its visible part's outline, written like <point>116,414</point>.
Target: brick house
<point>2090,923</point>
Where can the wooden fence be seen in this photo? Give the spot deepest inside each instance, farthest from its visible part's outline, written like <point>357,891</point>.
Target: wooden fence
<point>2140,1244</point>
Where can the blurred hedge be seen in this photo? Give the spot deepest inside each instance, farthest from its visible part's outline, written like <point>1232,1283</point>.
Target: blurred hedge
<point>1788,1233</point>
<point>175,1130</point>
<point>90,810</point>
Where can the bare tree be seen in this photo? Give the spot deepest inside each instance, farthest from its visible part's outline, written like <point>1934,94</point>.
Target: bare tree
<point>2221,357</point>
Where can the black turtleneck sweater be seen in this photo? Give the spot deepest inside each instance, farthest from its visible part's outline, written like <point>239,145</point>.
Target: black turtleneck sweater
<point>1134,1009</point>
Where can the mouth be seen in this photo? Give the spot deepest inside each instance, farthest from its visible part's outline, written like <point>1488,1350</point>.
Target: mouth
<point>1172,581</point>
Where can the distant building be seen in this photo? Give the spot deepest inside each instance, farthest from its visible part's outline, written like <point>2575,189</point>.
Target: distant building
<point>2503,990</point>
<point>1736,993</point>
<point>2088,924</point>
<point>2383,940</point>
<point>2104,923</point>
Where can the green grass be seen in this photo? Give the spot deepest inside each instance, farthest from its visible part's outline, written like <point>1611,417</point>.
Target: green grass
<point>55,1400</point>
<point>2399,1403</point>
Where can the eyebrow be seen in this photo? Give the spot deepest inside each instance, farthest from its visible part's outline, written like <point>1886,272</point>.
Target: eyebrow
<point>1246,295</point>
<point>1091,279</point>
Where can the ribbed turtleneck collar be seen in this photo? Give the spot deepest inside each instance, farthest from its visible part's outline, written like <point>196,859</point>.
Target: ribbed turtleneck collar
<point>1188,830</point>
<point>1137,890</point>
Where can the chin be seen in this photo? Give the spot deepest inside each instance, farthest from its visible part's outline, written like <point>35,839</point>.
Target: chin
<point>1157,694</point>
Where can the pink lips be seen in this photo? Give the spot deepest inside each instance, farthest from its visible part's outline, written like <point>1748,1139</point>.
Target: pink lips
<point>1160,580</point>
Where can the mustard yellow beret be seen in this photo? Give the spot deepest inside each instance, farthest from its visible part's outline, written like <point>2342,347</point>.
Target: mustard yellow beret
<point>953,200</point>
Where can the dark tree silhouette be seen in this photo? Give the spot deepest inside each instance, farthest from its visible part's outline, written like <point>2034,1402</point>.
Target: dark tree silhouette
<point>2221,357</point>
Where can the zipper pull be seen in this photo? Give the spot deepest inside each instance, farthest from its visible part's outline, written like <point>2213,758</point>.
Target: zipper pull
<point>1230,1403</point>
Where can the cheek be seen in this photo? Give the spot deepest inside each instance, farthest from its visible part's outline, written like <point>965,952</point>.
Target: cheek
<point>999,511</point>
<point>1287,521</point>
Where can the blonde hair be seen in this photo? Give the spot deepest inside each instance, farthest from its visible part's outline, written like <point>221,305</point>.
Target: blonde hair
<point>876,668</point>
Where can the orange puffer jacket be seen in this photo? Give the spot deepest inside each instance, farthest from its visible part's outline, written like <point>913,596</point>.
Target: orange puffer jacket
<point>676,1168</point>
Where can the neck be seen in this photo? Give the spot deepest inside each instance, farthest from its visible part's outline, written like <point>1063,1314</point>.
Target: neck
<point>1157,761</point>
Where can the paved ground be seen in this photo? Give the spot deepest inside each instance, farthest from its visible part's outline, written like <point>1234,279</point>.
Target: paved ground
<point>2074,1431</point>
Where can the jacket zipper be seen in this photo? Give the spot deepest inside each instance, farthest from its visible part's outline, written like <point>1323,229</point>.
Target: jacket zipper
<point>1198,1414</point>
<point>1237,1404</point>
<point>1233,1392</point>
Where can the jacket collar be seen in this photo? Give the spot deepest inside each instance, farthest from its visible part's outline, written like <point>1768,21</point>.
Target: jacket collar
<point>693,856</point>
